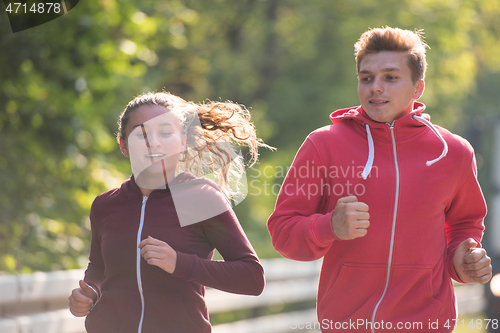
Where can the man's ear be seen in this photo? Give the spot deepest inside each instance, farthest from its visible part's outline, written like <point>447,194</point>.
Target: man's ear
<point>419,89</point>
<point>123,148</point>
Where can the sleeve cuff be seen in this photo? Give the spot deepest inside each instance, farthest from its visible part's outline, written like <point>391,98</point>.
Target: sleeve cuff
<point>323,230</point>
<point>184,265</point>
<point>452,271</point>
<point>96,290</point>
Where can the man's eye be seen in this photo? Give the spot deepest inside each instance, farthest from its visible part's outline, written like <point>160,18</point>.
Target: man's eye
<point>365,79</point>
<point>392,78</point>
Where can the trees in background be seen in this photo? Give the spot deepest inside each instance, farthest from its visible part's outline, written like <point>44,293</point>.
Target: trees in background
<point>63,85</point>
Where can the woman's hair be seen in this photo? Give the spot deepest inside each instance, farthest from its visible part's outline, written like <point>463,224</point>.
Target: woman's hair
<point>397,40</point>
<point>214,132</point>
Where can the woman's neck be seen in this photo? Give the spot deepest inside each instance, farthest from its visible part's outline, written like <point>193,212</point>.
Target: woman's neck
<point>145,191</point>
<point>149,184</point>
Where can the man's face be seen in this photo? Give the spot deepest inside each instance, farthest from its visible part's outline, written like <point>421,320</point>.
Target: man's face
<point>385,87</point>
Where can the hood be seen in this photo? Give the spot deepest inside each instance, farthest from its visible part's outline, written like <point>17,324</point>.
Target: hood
<point>414,119</point>
<point>358,114</point>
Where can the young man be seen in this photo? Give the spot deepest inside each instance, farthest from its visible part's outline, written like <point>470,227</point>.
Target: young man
<point>390,201</point>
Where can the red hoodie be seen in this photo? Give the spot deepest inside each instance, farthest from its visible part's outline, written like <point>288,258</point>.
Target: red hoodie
<point>135,297</point>
<point>399,275</point>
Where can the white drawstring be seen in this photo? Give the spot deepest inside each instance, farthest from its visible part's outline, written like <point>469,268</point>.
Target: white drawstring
<point>445,145</point>
<point>369,162</point>
<point>371,150</point>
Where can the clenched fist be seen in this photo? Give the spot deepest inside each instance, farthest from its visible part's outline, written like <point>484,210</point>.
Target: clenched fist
<point>471,263</point>
<point>350,218</point>
<point>158,253</point>
<point>82,300</point>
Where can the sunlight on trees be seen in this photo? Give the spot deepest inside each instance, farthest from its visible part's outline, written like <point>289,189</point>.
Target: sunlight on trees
<point>63,85</point>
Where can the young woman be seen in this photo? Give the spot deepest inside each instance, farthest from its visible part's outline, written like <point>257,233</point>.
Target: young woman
<point>154,237</point>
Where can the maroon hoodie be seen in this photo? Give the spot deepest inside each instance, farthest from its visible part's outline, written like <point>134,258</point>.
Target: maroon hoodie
<point>137,297</point>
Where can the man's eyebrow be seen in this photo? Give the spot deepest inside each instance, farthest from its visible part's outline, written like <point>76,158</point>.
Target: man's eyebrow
<point>389,69</point>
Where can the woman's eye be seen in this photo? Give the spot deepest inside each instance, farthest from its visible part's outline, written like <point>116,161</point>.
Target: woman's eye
<point>165,134</point>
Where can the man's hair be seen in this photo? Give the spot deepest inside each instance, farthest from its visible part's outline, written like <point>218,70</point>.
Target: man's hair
<point>396,40</point>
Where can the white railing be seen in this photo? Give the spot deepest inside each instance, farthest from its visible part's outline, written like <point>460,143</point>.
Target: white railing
<point>37,303</point>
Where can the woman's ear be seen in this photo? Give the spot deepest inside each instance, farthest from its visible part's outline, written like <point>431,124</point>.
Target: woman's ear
<point>123,148</point>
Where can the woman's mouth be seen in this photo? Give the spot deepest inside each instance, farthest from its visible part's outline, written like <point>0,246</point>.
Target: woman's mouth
<point>156,157</point>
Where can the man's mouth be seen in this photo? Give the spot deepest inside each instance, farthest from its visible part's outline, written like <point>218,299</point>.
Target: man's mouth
<point>378,102</point>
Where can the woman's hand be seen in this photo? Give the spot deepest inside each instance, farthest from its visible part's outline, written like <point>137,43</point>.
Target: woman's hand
<point>158,253</point>
<point>82,300</point>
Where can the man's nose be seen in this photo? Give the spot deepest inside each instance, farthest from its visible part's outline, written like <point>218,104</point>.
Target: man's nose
<point>377,85</point>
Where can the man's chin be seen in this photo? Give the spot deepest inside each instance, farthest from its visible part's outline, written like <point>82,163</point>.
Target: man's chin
<point>378,116</point>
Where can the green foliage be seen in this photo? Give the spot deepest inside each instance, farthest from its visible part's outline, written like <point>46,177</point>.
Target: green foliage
<point>63,85</point>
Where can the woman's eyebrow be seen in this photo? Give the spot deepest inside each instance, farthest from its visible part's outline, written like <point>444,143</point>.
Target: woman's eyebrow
<point>166,124</point>
<point>146,125</point>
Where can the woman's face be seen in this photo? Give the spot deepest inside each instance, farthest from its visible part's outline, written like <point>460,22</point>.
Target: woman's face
<point>154,141</point>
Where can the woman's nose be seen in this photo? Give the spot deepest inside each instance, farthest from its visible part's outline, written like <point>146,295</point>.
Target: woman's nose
<point>153,140</point>
<point>150,138</point>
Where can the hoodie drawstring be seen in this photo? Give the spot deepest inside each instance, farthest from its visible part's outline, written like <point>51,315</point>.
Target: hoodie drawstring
<point>371,153</point>
<point>445,145</point>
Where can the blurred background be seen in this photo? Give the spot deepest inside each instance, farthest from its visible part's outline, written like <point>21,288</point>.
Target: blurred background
<point>63,85</point>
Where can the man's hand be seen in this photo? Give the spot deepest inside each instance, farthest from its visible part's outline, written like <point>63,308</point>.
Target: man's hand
<point>82,299</point>
<point>158,253</point>
<point>471,263</point>
<point>350,218</point>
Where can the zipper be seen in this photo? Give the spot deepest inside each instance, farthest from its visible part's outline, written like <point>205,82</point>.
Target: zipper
<point>138,262</point>
<point>391,248</point>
